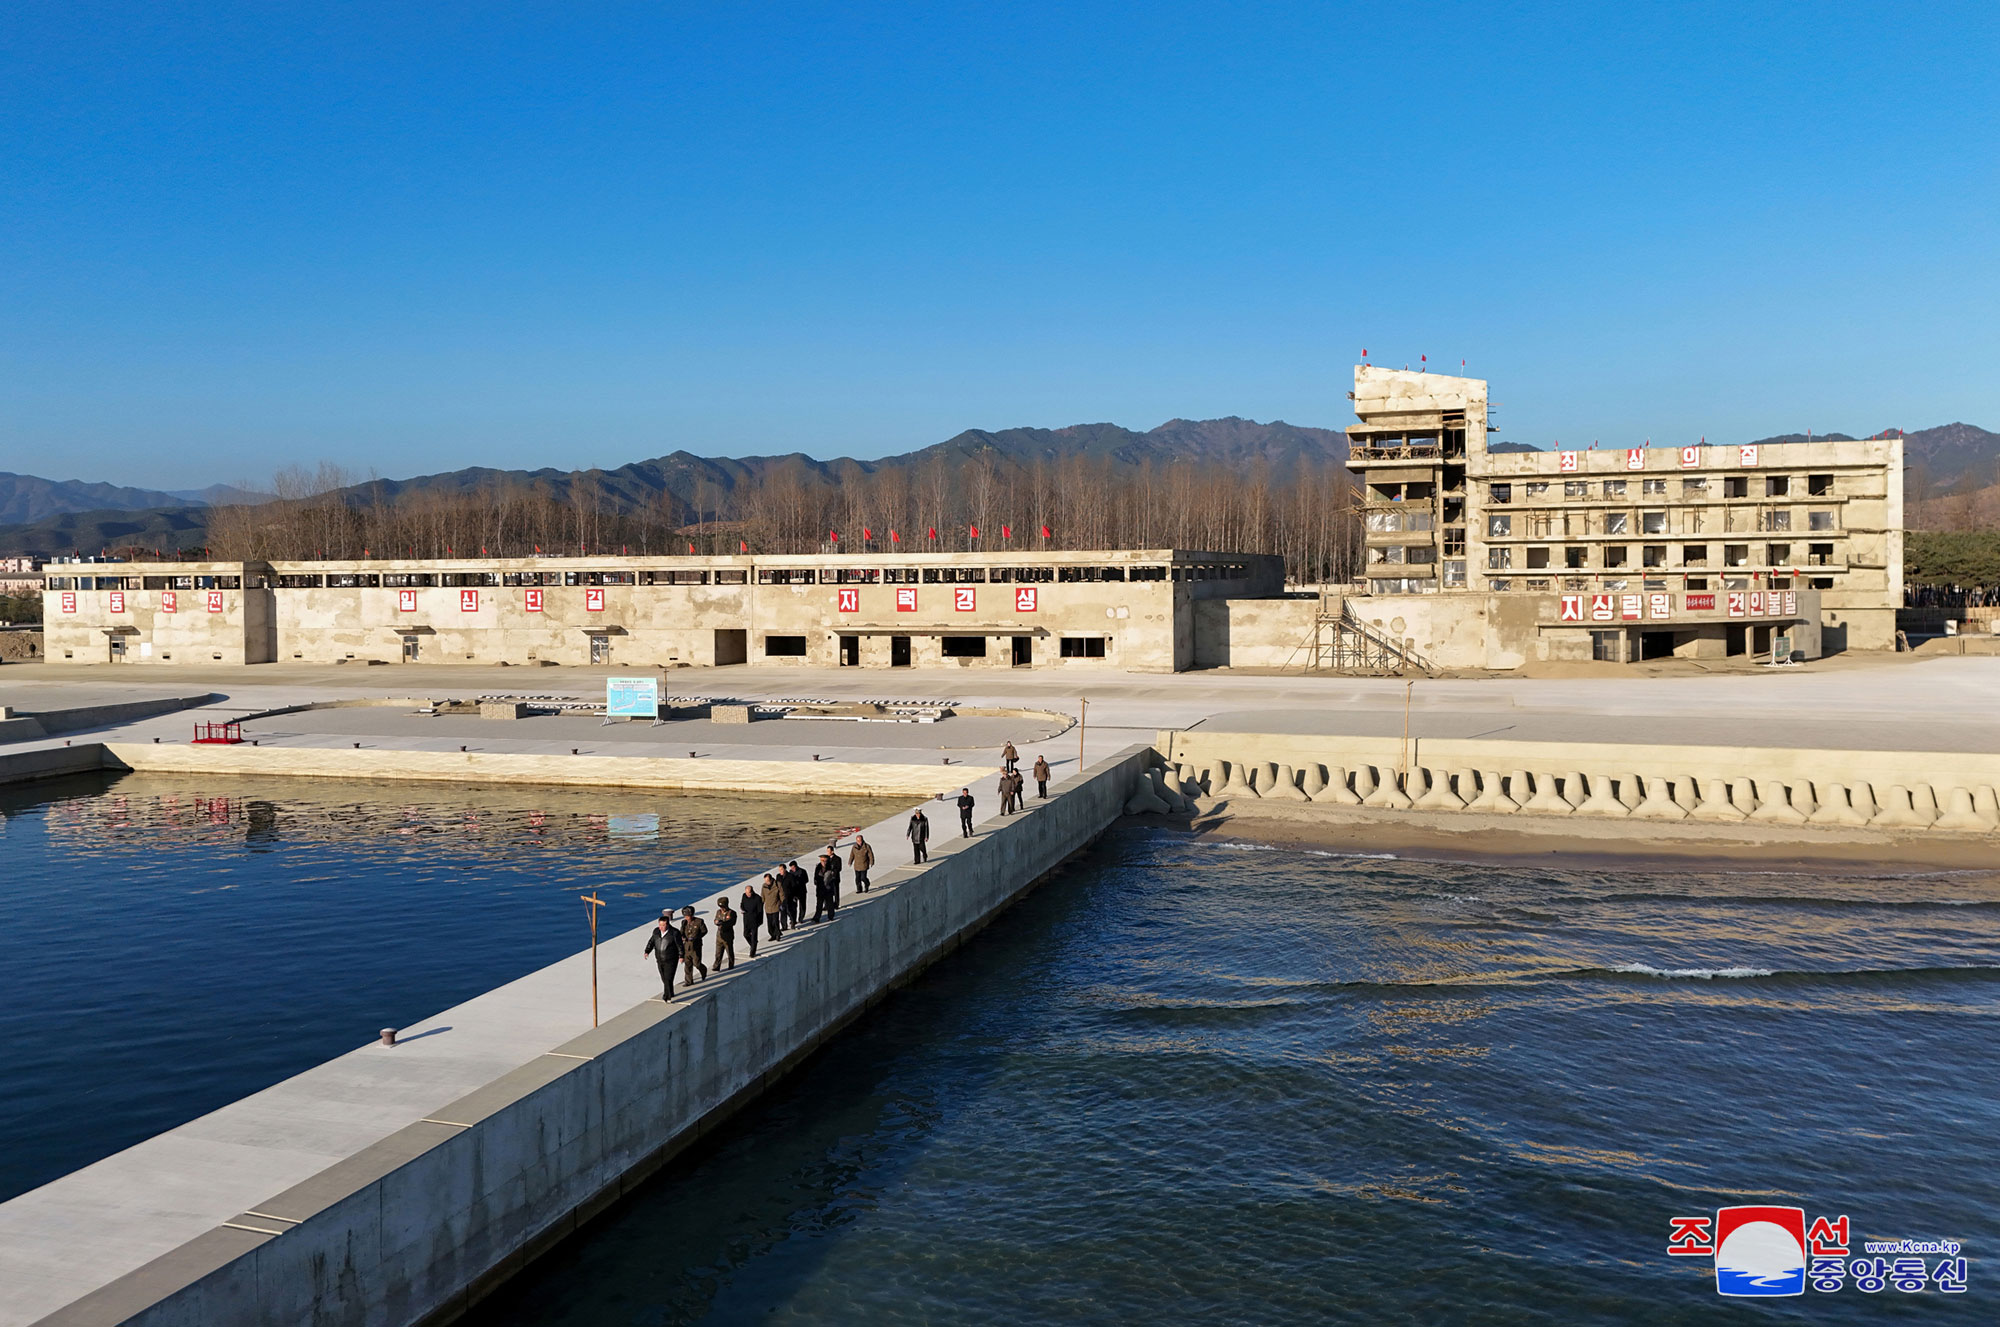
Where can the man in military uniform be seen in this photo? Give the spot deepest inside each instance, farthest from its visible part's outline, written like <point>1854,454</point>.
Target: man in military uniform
<point>775,904</point>
<point>693,929</point>
<point>725,934</point>
<point>663,946</point>
<point>1042,777</point>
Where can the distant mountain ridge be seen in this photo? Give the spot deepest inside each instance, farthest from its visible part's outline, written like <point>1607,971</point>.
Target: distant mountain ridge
<point>687,485</point>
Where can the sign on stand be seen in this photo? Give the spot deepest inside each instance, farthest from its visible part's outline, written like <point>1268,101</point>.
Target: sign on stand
<point>632,698</point>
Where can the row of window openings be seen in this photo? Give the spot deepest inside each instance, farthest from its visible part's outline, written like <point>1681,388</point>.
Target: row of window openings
<point>1500,525</point>
<point>1733,486</point>
<point>1655,555</point>
<point>723,576</point>
<point>1454,578</point>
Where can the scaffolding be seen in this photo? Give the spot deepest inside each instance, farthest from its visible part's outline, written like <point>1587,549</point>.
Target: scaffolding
<point>1343,643</point>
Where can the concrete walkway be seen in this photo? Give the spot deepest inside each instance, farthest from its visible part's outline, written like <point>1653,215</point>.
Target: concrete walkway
<point>86,1230</point>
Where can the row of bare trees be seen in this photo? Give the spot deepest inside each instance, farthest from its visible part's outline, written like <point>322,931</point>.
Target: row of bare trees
<point>1306,514</point>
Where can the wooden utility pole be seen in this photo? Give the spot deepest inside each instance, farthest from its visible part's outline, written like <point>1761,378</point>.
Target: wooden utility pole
<point>592,903</point>
<point>1082,723</point>
<point>1407,688</point>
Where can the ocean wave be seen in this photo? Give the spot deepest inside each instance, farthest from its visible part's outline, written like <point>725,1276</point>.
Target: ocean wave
<point>1702,974</point>
<point>1769,900</point>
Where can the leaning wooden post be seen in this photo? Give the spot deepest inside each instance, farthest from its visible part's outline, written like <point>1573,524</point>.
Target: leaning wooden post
<point>1081,724</point>
<point>593,903</point>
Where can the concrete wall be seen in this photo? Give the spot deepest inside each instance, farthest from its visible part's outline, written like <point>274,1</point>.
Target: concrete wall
<point>1940,792</point>
<point>417,1225</point>
<point>1254,633</point>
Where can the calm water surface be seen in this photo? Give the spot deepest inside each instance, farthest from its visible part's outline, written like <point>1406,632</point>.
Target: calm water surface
<point>172,945</point>
<point>1185,1081</point>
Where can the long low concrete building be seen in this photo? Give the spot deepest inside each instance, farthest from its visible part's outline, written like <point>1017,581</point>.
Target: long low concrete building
<point>1127,610</point>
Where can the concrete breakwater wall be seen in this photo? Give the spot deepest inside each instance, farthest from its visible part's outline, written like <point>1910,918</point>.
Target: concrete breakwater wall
<point>30,725</point>
<point>422,1219</point>
<point>1943,792</point>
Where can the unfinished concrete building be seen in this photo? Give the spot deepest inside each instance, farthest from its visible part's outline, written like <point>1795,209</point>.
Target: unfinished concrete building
<point>1491,559</point>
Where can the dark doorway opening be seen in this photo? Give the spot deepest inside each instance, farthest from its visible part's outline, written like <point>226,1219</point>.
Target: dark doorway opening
<point>899,651</point>
<point>1024,651</point>
<point>1736,640</point>
<point>1656,644</point>
<point>850,651</point>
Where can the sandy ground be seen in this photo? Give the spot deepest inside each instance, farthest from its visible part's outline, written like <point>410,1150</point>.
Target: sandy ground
<point>1586,842</point>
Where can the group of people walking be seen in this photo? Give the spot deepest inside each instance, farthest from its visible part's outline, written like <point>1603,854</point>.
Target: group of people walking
<point>780,904</point>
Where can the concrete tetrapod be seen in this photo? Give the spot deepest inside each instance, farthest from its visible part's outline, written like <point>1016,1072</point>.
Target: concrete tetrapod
<point>1959,813</point>
<point>1627,792</point>
<point>1546,800</point>
<point>1314,781</point>
<point>1364,784</point>
<point>1387,795</point>
<point>1774,804</point>
<point>1863,796</point>
<point>1286,786</point>
<point>1715,803</point>
<point>1239,784</point>
<point>1493,797</point>
<point>1658,803</point>
<point>1437,794</point>
<point>1171,797</point>
<point>1337,792</point>
<point>1832,806</point>
<point>1601,801</point>
<point>1144,800</point>
<point>1906,808</point>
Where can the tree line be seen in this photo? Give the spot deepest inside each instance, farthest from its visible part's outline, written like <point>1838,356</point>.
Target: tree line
<point>1305,514</point>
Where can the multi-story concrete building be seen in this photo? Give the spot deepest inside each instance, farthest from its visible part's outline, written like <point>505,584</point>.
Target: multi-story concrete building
<point>1492,559</point>
<point>1130,610</point>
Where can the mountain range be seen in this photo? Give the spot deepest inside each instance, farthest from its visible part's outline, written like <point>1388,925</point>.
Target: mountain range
<point>60,516</point>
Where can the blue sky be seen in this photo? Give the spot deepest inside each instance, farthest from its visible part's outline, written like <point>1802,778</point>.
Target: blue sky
<point>409,238</point>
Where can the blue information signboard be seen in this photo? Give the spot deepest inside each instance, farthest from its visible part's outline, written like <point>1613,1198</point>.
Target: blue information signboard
<point>631,697</point>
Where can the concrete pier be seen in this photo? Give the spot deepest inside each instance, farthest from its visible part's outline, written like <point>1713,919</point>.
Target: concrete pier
<point>399,1184</point>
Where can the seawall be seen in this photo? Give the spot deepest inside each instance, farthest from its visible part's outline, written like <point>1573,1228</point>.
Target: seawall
<point>398,1185</point>
<point>1900,791</point>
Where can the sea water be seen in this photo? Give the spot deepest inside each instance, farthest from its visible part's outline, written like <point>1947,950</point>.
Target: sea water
<point>172,944</point>
<point>1227,1082</point>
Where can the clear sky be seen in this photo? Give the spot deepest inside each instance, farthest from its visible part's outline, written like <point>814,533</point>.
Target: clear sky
<point>408,238</point>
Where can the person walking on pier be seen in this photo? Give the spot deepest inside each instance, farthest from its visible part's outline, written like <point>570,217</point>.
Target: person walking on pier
<point>1006,791</point>
<point>1009,757</point>
<point>795,895</point>
<point>919,835</point>
<point>1042,777</point>
<point>725,934</point>
<point>826,887</point>
<point>774,906</point>
<point>663,946</point>
<point>965,805</point>
<point>862,858</point>
<point>693,929</point>
<point>751,908</point>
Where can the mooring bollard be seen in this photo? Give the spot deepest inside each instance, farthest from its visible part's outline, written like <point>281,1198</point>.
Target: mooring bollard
<point>357,746</point>
<point>574,752</point>
<point>815,755</point>
<point>388,1036</point>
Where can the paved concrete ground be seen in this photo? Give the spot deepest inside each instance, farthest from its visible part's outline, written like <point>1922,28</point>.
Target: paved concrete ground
<point>1945,704</point>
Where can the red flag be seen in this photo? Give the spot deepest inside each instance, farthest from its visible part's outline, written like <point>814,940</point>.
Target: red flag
<point>895,538</point>
<point>1006,532</point>
<point>742,547</point>
<point>482,550</point>
<point>975,532</point>
<point>447,550</point>
<point>690,546</point>
<point>1046,534</point>
<point>834,535</point>
<point>867,533</point>
<point>933,532</point>
<point>538,548</point>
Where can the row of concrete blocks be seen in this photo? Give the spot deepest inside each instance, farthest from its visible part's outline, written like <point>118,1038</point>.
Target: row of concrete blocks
<point>1642,797</point>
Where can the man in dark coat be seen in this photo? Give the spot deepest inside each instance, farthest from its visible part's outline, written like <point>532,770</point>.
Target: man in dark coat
<point>965,805</point>
<point>919,835</point>
<point>751,908</point>
<point>795,895</point>
<point>826,887</point>
<point>663,946</point>
<point>1042,777</point>
<point>725,934</point>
